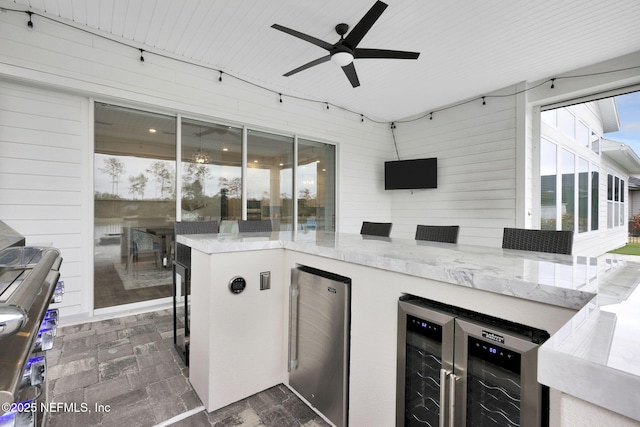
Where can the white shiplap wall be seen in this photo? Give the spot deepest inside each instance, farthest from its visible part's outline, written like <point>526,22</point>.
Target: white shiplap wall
<point>476,149</point>
<point>70,66</point>
<point>41,196</point>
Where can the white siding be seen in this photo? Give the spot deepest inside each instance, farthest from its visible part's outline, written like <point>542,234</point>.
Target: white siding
<point>47,130</point>
<point>476,149</point>
<point>41,135</point>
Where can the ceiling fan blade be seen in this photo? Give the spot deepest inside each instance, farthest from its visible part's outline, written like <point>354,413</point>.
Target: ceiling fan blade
<point>382,53</point>
<point>305,37</point>
<point>365,24</point>
<point>350,71</point>
<point>308,65</point>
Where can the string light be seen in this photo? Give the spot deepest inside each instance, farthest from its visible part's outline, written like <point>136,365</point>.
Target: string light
<point>327,105</point>
<point>552,80</point>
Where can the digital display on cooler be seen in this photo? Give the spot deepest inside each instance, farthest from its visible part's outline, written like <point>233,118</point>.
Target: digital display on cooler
<point>424,328</point>
<point>495,354</point>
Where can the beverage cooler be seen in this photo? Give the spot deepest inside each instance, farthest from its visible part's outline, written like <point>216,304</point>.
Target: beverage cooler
<point>461,368</point>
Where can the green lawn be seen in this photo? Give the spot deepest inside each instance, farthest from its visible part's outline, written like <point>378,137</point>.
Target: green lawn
<point>629,249</point>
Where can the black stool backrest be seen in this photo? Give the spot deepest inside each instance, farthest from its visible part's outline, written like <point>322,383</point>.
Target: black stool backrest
<point>183,253</point>
<point>255,226</point>
<point>382,229</point>
<point>557,242</point>
<point>438,233</point>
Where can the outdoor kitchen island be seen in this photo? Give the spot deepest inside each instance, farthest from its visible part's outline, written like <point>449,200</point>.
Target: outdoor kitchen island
<point>239,341</point>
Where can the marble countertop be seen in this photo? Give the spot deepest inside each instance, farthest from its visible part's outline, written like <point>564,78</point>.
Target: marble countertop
<point>596,356</point>
<point>593,357</point>
<point>561,280</point>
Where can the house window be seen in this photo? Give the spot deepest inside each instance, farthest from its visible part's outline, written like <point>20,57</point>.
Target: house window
<point>567,122</point>
<point>568,190</point>
<point>615,201</point>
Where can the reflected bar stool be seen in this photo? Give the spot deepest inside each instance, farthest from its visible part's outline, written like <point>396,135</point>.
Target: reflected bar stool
<point>438,233</point>
<point>551,241</point>
<point>182,267</point>
<point>255,226</point>
<point>382,229</point>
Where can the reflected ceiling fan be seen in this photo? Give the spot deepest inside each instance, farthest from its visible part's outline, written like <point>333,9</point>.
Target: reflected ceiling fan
<point>345,50</point>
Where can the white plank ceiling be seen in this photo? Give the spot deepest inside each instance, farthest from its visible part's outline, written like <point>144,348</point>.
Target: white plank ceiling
<point>468,47</point>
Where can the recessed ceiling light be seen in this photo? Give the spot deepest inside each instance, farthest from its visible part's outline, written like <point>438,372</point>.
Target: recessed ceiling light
<point>255,161</point>
<point>225,149</point>
<point>152,130</point>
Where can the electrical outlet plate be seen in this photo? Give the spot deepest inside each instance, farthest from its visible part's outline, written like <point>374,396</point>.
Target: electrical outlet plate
<point>265,280</point>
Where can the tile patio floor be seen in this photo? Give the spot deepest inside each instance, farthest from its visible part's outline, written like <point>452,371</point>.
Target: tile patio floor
<point>128,365</point>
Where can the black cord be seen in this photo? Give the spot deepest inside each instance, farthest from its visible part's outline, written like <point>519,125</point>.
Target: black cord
<point>362,116</point>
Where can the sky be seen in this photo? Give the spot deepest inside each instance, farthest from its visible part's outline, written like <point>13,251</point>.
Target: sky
<point>629,114</point>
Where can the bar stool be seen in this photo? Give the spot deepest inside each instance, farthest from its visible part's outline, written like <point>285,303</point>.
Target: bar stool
<point>182,268</point>
<point>382,229</point>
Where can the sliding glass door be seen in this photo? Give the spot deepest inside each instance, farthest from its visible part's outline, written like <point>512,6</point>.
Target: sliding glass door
<point>140,190</point>
<point>134,205</point>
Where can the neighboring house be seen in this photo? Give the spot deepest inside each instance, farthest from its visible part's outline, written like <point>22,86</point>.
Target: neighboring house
<point>634,197</point>
<point>584,178</point>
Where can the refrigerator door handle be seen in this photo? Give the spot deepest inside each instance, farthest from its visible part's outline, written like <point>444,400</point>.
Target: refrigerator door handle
<point>452,398</point>
<point>293,328</point>
<point>443,395</point>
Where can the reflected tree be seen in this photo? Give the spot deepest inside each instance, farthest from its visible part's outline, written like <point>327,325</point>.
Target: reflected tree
<point>114,168</point>
<point>137,185</point>
<point>162,175</point>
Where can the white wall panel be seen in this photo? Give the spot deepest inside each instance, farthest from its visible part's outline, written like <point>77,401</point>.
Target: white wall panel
<point>40,185</point>
<point>475,147</point>
<point>47,76</point>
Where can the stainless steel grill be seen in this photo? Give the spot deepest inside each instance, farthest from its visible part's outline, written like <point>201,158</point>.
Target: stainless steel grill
<point>29,283</point>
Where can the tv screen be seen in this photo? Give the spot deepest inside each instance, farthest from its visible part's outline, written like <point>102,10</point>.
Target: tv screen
<point>411,174</point>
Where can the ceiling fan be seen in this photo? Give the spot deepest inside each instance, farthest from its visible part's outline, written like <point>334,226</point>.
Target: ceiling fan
<point>345,50</point>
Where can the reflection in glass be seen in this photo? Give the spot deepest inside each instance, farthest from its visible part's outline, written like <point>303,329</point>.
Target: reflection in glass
<point>270,179</point>
<point>583,195</point>
<point>211,172</point>
<point>548,177</point>
<point>316,186</point>
<point>595,200</point>
<point>568,190</point>
<point>134,205</point>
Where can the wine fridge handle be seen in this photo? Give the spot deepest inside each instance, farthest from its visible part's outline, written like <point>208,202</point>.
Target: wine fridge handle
<point>452,399</point>
<point>293,327</point>
<point>443,395</point>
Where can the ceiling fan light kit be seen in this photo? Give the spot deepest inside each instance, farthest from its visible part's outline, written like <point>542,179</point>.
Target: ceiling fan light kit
<point>342,58</point>
<point>345,50</point>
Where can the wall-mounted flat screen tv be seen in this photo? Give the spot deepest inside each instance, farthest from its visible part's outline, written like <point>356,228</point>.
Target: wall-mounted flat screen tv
<point>411,174</point>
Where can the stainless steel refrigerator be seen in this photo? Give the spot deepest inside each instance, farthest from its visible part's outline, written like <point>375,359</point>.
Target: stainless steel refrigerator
<point>460,368</point>
<point>319,311</point>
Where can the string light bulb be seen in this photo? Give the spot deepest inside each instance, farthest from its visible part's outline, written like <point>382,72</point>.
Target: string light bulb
<point>553,83</point>
<point>483,101</point>
<point>280,98</point>
<point>141,55</point>
<point>30,23</point>
<point>220,78</point>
